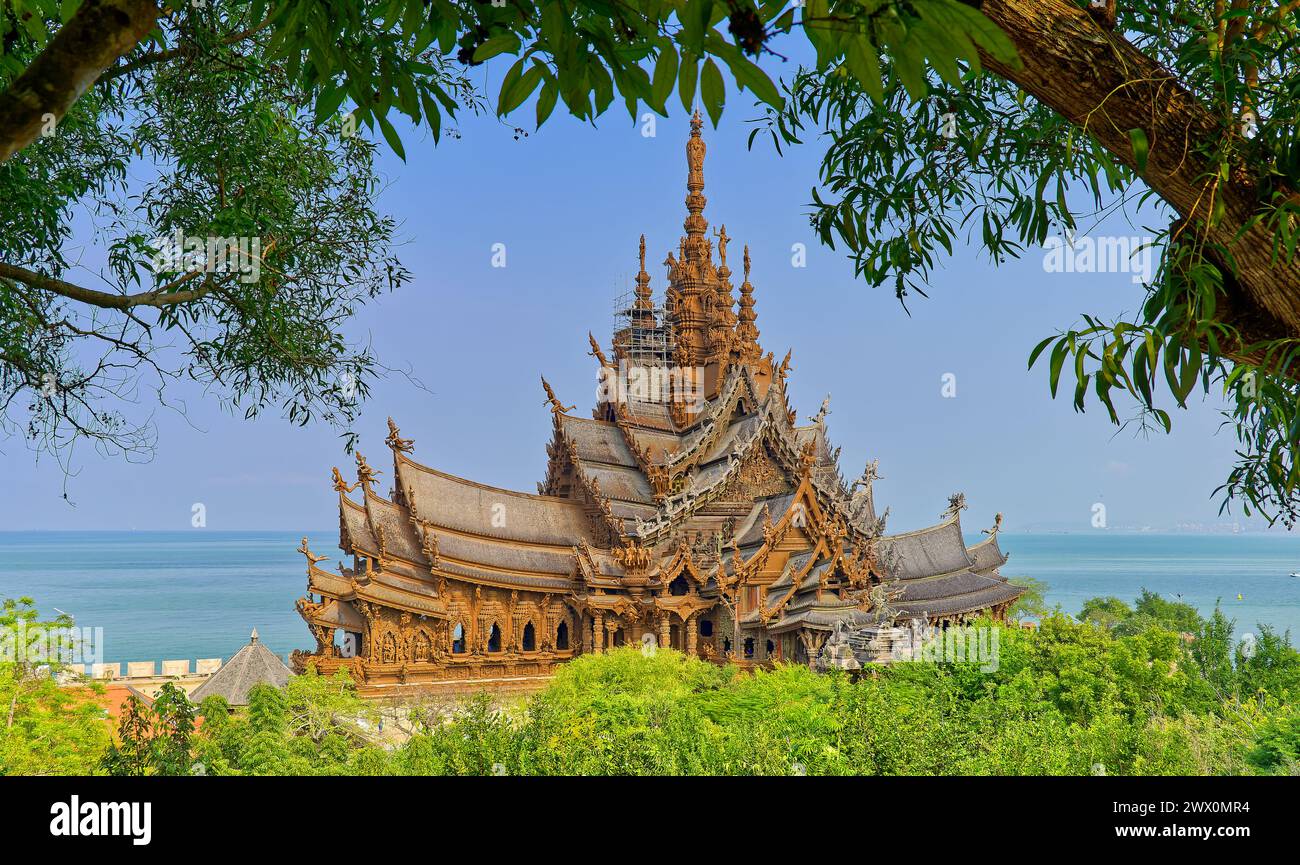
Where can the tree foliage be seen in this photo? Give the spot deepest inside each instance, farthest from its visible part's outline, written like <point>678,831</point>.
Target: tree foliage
<point>1135,696</point>
<point>944,119</point>
<point>1070,697</point>
<point>45,729</point>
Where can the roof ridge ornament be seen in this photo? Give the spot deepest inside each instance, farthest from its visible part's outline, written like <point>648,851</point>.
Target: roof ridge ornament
<point>997,526</point>
<point>820,418</point>
<point>365,474</point>
<point>557,408</point>
<point>395,440</point>
<point>596,350</point>
<point>341,485</point>
<point>956,504</point>
<point>312,558</point>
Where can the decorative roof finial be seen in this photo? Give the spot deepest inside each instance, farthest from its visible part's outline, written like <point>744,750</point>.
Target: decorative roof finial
<point>395,440</point>
<point>252,638</point>
<point>365,474</point>
<point>808,457</point>
<point>820,417</point>
<point>312,558</point>
<point>557,408</point>
<point>596,351</point>
<point>341,485</point>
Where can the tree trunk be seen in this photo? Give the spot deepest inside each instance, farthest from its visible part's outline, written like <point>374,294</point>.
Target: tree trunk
<point>1102,83</point>
<point>96,36</point>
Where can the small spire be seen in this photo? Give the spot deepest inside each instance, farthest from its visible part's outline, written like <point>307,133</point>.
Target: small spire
<point>644,299</point>
<point>746,331</point>
<point>252,638</point>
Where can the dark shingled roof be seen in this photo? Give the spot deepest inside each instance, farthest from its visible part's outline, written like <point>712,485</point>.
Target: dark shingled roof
<point>938,549</point>
<point>252,665</point>
<point>987,555</point>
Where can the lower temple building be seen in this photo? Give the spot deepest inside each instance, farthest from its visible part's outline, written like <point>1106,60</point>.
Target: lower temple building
<point>689,510</point>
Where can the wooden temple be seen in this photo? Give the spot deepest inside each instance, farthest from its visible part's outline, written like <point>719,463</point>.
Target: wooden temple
<point>689,510</point>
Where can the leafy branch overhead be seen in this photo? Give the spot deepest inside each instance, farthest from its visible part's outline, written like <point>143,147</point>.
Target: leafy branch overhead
<point>990,119</point>
<point>252,103</point>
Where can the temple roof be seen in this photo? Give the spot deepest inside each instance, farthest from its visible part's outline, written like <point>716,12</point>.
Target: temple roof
<point>456,503</point>
<point>937,549</point>
<point>987,555</point>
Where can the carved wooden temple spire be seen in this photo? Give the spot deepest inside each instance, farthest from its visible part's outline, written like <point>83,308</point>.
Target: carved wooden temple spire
<point>696,225</point>
<point>691,290</point>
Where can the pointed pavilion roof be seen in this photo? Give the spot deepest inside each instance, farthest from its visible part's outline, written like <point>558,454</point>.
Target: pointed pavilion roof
<point>252,665</point>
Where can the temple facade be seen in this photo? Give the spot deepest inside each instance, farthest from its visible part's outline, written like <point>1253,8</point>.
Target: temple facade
<point>690,510</point>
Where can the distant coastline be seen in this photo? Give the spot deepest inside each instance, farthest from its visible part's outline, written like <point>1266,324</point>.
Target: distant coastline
<point>198,593</point>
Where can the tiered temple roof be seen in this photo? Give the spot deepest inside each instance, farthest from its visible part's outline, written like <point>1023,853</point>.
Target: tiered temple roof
<point>690,509</point>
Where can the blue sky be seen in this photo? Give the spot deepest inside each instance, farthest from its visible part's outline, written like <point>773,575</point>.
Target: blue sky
<point>570,202</point>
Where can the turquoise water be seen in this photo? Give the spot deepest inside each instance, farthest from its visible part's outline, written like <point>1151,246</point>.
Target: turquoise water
<point>162,595</point>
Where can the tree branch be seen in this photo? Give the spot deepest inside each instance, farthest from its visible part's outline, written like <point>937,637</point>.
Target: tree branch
<point>167,295</point>
<point>1103,84</point>
<point>96,36</point>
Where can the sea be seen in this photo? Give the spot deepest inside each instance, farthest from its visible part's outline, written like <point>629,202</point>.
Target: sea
<point>199,594</point>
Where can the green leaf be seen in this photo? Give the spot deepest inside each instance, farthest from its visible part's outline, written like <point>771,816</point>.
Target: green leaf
<point>686,77</point>
<point>496,45</point>
<point>1058,360</point>
<point>864,65</point>
<point>1038,349</point>
<point>390,135</point>
<point>546,101</point>
<point>712,90</point>
<point>749,74</point>
<point>432,115</point>
<point>522,89</point>
<point>1138,139</point>
<point>511,78</point>
<point>664,78</point>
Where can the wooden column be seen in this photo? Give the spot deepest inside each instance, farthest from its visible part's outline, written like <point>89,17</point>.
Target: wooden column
<point>692,633</point>
<point>598,632</point>
<point>665,631</point>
